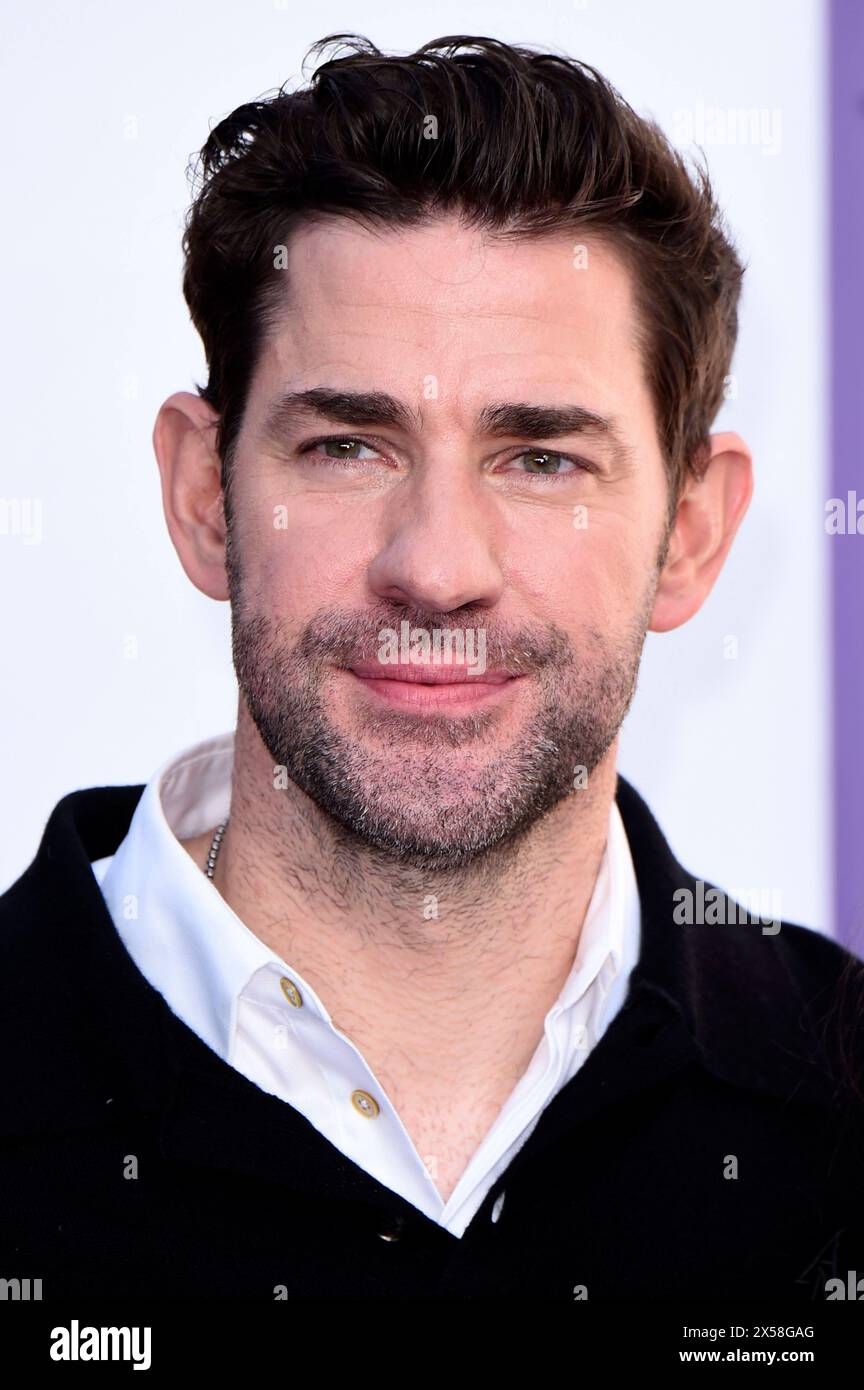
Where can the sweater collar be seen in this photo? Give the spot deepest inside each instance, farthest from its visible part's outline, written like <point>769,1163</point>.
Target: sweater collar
<point>698,994</point>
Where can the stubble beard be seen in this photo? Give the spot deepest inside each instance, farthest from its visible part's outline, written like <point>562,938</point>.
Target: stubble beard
<point>433,792</point>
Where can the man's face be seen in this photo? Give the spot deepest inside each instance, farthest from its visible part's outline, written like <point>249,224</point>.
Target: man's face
<point>541,548</point>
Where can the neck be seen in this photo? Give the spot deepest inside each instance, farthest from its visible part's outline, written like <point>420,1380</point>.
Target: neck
<point>408,962</point>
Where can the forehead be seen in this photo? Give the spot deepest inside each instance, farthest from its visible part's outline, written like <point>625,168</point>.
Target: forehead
<point>450,304</point>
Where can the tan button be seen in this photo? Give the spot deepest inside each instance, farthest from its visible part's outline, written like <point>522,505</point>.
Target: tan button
<point>366,1104</point>
<point>394,1231</point>
<point>291,992</point>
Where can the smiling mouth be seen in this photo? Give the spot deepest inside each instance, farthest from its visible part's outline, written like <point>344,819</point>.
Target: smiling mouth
<point>419,687</point>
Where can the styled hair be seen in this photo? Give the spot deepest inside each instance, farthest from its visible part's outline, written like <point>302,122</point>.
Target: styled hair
<point>520,144</point>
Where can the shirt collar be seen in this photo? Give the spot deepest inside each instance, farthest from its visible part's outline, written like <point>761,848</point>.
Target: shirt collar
<point>172,920</point>
<point>743,1003</point>
<point>167,910</point>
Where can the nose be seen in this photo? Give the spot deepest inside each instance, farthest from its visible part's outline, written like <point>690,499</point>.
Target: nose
<point>442,538</point>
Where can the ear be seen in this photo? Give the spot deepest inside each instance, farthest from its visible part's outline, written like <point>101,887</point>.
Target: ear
<point>184,443</point>
<point>709,513</point>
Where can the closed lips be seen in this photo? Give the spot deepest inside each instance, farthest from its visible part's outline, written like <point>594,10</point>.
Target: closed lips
<point>442,674</point>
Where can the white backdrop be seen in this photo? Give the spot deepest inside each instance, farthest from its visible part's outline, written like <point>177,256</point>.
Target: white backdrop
<point>112,661</point>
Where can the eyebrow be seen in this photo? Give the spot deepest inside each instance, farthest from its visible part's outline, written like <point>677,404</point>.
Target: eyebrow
<point>380,408</point>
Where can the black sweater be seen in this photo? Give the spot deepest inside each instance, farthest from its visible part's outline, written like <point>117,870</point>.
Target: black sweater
<point>708,1146</point>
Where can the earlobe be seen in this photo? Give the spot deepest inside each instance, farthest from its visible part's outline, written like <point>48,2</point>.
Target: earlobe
<point>190,472</point>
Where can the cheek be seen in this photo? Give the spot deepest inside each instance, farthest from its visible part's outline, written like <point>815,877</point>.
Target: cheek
<point>593,576</point>
<point>301,568</point>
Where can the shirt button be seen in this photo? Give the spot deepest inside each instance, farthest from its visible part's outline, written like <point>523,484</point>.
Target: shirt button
<point>394,1230</point>
<point>366,1104</point>
<point>496,1210</point>
<point>291,992</point>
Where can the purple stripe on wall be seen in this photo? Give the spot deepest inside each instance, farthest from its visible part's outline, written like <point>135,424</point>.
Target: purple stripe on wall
<point>846,96</point>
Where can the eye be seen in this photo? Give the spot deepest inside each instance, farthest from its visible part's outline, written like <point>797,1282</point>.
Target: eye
<point>545,464</point>
<point>342,446</point>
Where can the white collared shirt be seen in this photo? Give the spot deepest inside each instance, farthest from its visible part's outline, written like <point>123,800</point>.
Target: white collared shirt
<point>262,1017</point>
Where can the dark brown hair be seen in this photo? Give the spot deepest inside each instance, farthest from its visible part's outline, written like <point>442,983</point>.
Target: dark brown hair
<point>523,144</point>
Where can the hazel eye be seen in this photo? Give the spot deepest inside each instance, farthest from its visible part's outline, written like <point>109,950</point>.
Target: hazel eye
<point>342,448</point>
<point>548,461</point>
